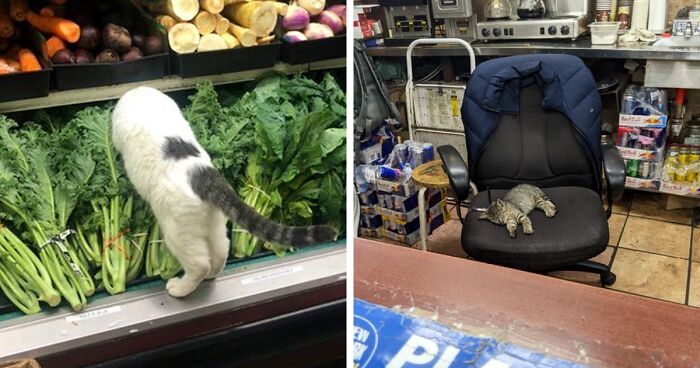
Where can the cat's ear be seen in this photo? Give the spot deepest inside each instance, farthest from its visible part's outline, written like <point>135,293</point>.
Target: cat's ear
<point>499,202</point>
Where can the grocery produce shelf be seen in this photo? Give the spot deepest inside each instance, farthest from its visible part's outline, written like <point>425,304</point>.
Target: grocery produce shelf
<point>149,318</point>
<point>170,83</point>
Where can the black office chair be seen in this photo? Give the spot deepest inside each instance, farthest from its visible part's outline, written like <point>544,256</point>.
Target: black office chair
<point>541,147</point>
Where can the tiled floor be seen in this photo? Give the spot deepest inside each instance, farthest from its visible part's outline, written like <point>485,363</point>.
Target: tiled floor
<point>654,252</point>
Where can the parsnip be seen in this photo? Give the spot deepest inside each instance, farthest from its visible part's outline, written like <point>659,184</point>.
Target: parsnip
<point>182,10</point>
<point>245,36</point>
<point>231,40</point>
<point>212,6</point>
<point>211,42</point>
<point>183,37</point>
<point>166,21</point>
<point>222,25</point>
<point>258,16</point>
<point>280,7</point>
<point>205,22</point>
<point>265,40</point>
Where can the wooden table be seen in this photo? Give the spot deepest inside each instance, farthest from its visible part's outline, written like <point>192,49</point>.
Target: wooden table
<point>596,326</point>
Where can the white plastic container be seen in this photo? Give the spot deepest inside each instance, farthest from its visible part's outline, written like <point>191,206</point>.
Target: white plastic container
<point>657,16</point>
<point>604,33</point>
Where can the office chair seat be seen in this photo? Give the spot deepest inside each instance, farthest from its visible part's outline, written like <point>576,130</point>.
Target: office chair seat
<point>579,231</point>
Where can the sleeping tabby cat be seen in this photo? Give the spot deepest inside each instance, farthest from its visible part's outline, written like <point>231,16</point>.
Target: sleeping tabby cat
<point>516,205</point>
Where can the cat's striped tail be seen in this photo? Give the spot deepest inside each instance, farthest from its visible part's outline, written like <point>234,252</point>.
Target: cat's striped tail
<point>211,187</point>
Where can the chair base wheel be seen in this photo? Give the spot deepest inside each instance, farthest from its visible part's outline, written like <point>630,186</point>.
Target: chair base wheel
<point>608,278</point>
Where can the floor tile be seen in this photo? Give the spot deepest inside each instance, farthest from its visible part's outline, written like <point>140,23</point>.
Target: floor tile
<point>587,277</point>
<point>694,295</point>
<point>623,205</point>
<point>695,256</point>
<point>656,236</point>
<point>650,275</point>
<point>615,225</point>
<point>446,239</point>
<point>645,205</point>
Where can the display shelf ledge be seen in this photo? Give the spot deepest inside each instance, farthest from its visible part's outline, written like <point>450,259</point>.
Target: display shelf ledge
<point>150,309</point>
<point>167,84</point>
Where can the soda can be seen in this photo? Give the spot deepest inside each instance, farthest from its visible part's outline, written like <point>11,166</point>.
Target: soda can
<point>645,168</point>
<point>632,166</point>
<point>401,153</point>
<point>416,156</point>
<point>428,152</point>
<point>623,139</point>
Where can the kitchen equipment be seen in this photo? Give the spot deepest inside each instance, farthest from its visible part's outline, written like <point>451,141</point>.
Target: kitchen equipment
<point>562,19</point>
<point>604,33</point>
<point>407,20</point>
<point>640,14</point>
<point>457,17</point>
<point>528,9</point>
<point>657,16</point>
<point>497,9</point>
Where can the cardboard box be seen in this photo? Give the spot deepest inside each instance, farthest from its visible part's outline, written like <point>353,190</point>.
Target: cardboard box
<point>409,210</point>
<point>679,189</point>
<point>631,182</point>
<point>643,121</point>
<point>674,202</point>
<point>413,237</point>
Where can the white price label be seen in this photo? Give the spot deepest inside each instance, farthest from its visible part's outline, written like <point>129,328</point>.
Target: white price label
<point>272,275</point>
<point>94,314</point>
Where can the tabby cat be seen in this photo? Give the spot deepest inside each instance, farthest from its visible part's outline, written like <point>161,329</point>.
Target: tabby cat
<point>516,205</point>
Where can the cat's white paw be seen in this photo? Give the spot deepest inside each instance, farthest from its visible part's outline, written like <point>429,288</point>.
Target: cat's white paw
<point>527,231</point>
<point>178,288</point>
<point>212,275</point>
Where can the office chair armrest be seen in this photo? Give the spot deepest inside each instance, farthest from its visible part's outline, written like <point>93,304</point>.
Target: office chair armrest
<point>456,170</point>
<point>615,171</point>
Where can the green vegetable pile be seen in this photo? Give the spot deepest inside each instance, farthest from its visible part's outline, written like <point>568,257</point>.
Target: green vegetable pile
<point>70,222</point>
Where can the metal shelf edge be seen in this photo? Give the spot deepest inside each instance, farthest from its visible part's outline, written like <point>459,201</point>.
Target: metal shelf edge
<point>167,84</point>
<point>142,310</point>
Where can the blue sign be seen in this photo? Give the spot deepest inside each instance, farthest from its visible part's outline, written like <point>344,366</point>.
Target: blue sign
<point>386,338</point>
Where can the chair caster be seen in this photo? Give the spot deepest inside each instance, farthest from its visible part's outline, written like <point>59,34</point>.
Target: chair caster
<point>608,278</point>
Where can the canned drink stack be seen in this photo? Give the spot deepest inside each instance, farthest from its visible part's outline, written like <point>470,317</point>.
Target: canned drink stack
<point>644,169</point>
<point>683,155</point>
<point>693,159</point>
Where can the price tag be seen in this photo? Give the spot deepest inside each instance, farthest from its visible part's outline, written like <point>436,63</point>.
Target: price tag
<point>94,314</point>
<point>272,275</point>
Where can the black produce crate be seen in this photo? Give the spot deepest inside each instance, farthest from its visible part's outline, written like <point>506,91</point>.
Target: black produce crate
<point>17,86</point>
<point>314,50</point>
<point>21,85</point>
<point>123,13</point>
<point>7,307</point>
<point>196,64</point>
<point>75,76</point>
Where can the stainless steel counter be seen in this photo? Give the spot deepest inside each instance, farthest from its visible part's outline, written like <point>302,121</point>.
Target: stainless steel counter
<point>581,48</point>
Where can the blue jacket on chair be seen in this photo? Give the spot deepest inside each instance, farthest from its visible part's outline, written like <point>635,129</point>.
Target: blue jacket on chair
<point>566,84</point>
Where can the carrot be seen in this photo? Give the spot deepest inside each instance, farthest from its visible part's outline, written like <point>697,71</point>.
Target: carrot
<point>7,26</point>
<point>27,61</point>
<point>14,64</point>
<point>63,28</point>
<point>19,9</point>
<point>53,10</point>
<point>53,45</point>
<point>5,68</point>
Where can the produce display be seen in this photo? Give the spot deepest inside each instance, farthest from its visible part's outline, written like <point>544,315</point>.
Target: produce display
<point>71,224</point>
<point>80,33</point>
<point>207,25</point>
<point>15,54</point>
<point>311,20</point>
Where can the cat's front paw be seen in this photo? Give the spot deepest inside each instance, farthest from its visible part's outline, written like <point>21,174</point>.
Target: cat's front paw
<point>178,288</point>
<point>550,212</point>
<point>528,230</point>
<point>511,233</point>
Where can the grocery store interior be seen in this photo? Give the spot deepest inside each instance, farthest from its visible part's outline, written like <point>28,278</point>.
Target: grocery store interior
<point>530,169</point>
<point>90,273</point>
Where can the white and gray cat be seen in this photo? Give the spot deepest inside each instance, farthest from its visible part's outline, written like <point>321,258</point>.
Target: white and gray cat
<point>190,199</point>
<point>516,205</point>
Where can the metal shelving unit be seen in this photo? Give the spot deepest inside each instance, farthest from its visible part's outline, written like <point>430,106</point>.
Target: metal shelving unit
<point>167,84</point>
<point>56,335</point>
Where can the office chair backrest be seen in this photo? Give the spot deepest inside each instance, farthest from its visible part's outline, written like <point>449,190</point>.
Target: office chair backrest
<point>537,147</point>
